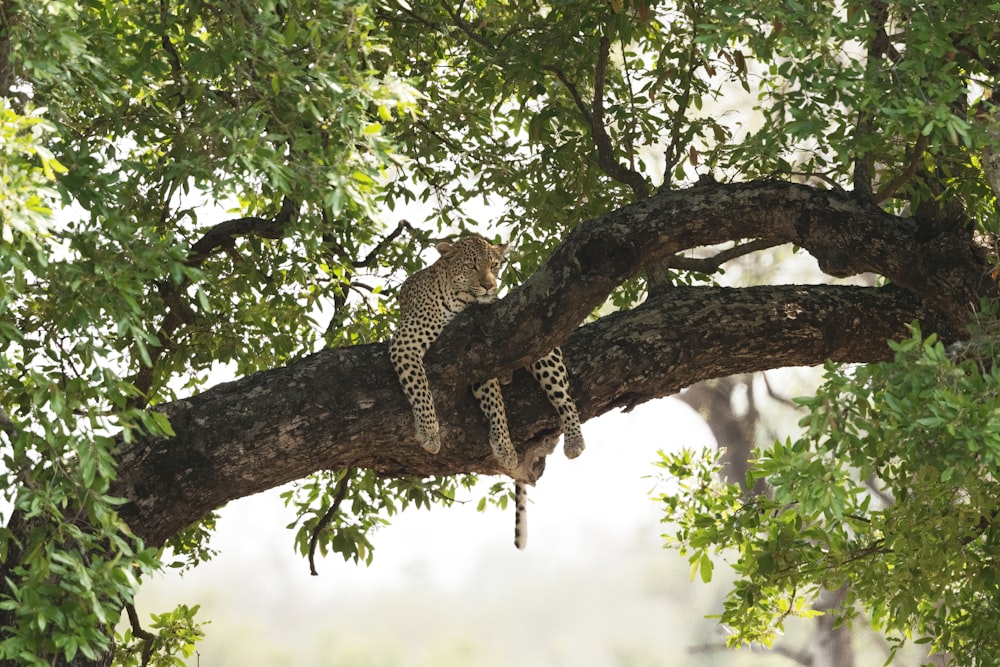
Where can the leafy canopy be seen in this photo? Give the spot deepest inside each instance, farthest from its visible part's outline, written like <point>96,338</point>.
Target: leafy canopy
<point>195,184</point>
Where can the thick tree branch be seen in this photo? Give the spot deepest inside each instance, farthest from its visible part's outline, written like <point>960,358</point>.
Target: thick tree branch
<point>343,407</point>
<point>847,237</point>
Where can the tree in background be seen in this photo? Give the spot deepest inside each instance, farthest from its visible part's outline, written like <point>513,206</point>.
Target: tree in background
<point>216,183</point>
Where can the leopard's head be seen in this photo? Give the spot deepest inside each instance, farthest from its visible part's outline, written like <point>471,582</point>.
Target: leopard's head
<point>473,264</point>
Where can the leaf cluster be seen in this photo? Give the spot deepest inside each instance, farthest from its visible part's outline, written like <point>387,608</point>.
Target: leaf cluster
<point>891,492</point>
<point>170,646</point>
<point>338,512</point>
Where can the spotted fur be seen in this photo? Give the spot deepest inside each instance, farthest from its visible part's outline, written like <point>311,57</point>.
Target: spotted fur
<point>466,273</point>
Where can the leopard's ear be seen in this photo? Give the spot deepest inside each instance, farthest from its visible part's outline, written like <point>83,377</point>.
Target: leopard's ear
<point>446,249</point>
<point>501,250</point>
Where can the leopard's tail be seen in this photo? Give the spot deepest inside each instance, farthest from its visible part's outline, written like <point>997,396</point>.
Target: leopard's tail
<point>520,515</point>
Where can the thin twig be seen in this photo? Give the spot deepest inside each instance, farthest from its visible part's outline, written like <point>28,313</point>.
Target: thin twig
<point>327,518</point>
<point>389,238</point>
<point>672,154</point>
<point>172,55</point>
<point>571,88</point>
<point>915,161</point>
<point>774,395</point>
<point>466,27</point>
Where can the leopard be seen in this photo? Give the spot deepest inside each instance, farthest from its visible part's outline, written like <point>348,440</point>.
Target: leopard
<point>467,272</point>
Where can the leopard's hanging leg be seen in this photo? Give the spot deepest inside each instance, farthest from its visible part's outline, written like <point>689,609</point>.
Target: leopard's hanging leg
<point>491,403</point>
<point>550,371</point>
<point>406,352</point>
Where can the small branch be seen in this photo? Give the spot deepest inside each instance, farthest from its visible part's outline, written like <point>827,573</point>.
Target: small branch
<point>405,10</point>
<point>873,486</point>
<point>224,234</point>
<point>822,177</point>
<point>915,160</point>
<point>172,55</point>
<point>873,548</point>
<point>864,161</point>
<point>137,630</point>
<point>466,27</point>
<point>881,44</point>
<point>389,238</point>
<point>594,116</point>
<point>776,397</point>
<point>347,283</point>
<point>220,237</point>
<point>605,152</point>
<point>327,518</point>
<point>985,523</point>
<point>711,264</point>
<point>6,425</point>
<point>672,154</point>
<point>574,93</point>
<point>630,133</point>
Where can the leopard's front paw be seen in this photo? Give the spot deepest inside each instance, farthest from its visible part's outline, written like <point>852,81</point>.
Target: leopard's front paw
<point>429,437</point>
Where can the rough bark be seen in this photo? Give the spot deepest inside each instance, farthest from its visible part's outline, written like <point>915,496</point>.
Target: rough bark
<point>343,407</point>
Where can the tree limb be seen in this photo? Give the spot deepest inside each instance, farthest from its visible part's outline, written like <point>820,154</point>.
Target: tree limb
<point>324,521</point>
<point>915,161</point>
<point>343,407</point>
<point>146,636</point>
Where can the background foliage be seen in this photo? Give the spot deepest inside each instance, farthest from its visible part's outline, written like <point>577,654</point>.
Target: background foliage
<point>889,495</point>
<point>227,176</point>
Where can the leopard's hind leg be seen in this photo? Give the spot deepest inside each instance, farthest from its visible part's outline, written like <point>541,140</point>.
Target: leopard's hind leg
<point>550,371</point>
